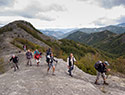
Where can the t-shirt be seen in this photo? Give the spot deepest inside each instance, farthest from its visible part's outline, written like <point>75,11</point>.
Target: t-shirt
<point>70,62</point>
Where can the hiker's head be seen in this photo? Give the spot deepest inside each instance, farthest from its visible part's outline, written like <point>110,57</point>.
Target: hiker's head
<point>28,50</point>
<point>13,55</point>
<point>49,49</point>
<point>106,63</point>
<point>71,54</point>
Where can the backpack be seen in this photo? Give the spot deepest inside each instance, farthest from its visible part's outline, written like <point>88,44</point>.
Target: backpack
<point>37,56</point>
<point>97,65</point>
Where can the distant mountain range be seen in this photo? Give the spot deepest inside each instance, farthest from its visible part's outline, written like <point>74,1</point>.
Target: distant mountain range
<point>105,40</point>
<point>56,33</point>
<point>62,33</point>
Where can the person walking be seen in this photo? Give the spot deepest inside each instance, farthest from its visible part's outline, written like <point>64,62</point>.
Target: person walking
<point>15,60</point>
<point>101,70</point>
<point>48,53</point>
<point>29,57</point>
<point>51,64</point>
<point>70,63</point>
<point>24,47</point>
<point>37,56</point>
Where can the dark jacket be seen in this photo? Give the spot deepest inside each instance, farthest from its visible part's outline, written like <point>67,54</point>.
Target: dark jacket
<point>102,68</point>
<point>15,59</point>
<point>48,52</point>
<point>52,59</point>
<point>29,55</point>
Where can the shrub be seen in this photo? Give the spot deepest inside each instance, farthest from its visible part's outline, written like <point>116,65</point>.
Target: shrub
<point>19,42</point>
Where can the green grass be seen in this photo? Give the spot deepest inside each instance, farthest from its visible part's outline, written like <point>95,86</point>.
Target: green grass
<point>19,42</point>
<point>33,32</point>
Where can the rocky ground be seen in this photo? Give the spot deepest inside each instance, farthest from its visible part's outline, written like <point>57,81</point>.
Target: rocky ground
<point>34,80</point>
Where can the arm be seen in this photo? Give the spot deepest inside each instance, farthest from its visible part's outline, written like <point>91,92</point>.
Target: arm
<point>68,62</point>
<point>54,59</point>
<point>31,55</point>
<point>11,59</point>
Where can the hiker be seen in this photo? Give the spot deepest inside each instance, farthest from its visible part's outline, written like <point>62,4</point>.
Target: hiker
<point>15,60</point>
<point>101,69</point>
<point>29,57</point>
<point>36,52</point>
<point>37,56</point>
<point>24,47</point>
<point>70,63</point>
<point>51,64</point>
<point>48,53</point>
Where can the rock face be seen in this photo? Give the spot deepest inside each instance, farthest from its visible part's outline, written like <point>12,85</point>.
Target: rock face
<point>34,80</point>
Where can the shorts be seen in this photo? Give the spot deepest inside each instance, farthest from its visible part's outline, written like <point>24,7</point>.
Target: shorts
<point>102,74</point>
<point>51,65</point>
<point>37,60</point>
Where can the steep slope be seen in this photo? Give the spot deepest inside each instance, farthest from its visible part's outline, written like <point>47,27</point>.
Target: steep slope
<point>92,38</point>
<point>21,30</point>
<point>18,33</point>
<point>113,45</point>
<point>104,40</point>
<point>35,81</point>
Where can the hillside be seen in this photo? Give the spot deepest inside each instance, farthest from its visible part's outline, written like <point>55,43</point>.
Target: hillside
<point>20,30</point>
<point>105,40</point>
<point>34,80</point>
<point>14,35</point>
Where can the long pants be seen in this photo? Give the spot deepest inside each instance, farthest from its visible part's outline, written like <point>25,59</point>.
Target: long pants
<point>29,62</point>
<point>15,65</point>
<point>100,74</point>
<point>70,70</point>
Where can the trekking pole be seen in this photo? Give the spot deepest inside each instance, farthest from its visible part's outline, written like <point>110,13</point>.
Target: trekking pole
<point>56,63</point>
<point>74,68</point>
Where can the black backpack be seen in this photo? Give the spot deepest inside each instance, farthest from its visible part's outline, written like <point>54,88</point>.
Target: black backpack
<point>97,65</point>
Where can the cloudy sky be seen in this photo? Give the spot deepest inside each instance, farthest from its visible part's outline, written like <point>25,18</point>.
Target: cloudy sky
<point>63,13</point>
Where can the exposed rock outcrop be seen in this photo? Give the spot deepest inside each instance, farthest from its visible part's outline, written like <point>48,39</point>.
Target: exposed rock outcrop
<point>33,80</point>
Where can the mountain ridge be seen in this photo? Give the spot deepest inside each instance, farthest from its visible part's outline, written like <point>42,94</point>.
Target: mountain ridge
<point>104,40</point>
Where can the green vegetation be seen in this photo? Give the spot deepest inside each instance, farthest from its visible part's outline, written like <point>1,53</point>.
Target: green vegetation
<point>106,41</point>
<point>85,55</point>
<point>5,29</point>
<point>30,31</point>
<point>2,68</point>
<point>19,42</point>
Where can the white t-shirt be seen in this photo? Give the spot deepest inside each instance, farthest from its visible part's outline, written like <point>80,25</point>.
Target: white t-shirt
<point>71,60</point>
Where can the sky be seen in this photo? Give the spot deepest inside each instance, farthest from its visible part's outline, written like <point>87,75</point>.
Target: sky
<point>63,13</point>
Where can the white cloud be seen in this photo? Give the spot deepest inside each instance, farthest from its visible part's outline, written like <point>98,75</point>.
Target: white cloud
<point>63,13</point>
<point>106,3</point>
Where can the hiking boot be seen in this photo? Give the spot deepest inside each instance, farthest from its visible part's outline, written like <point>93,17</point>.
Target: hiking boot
<point>97,83</point>
<point>53,74</point>
<point>71,75</point>
<point>105,83</point>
